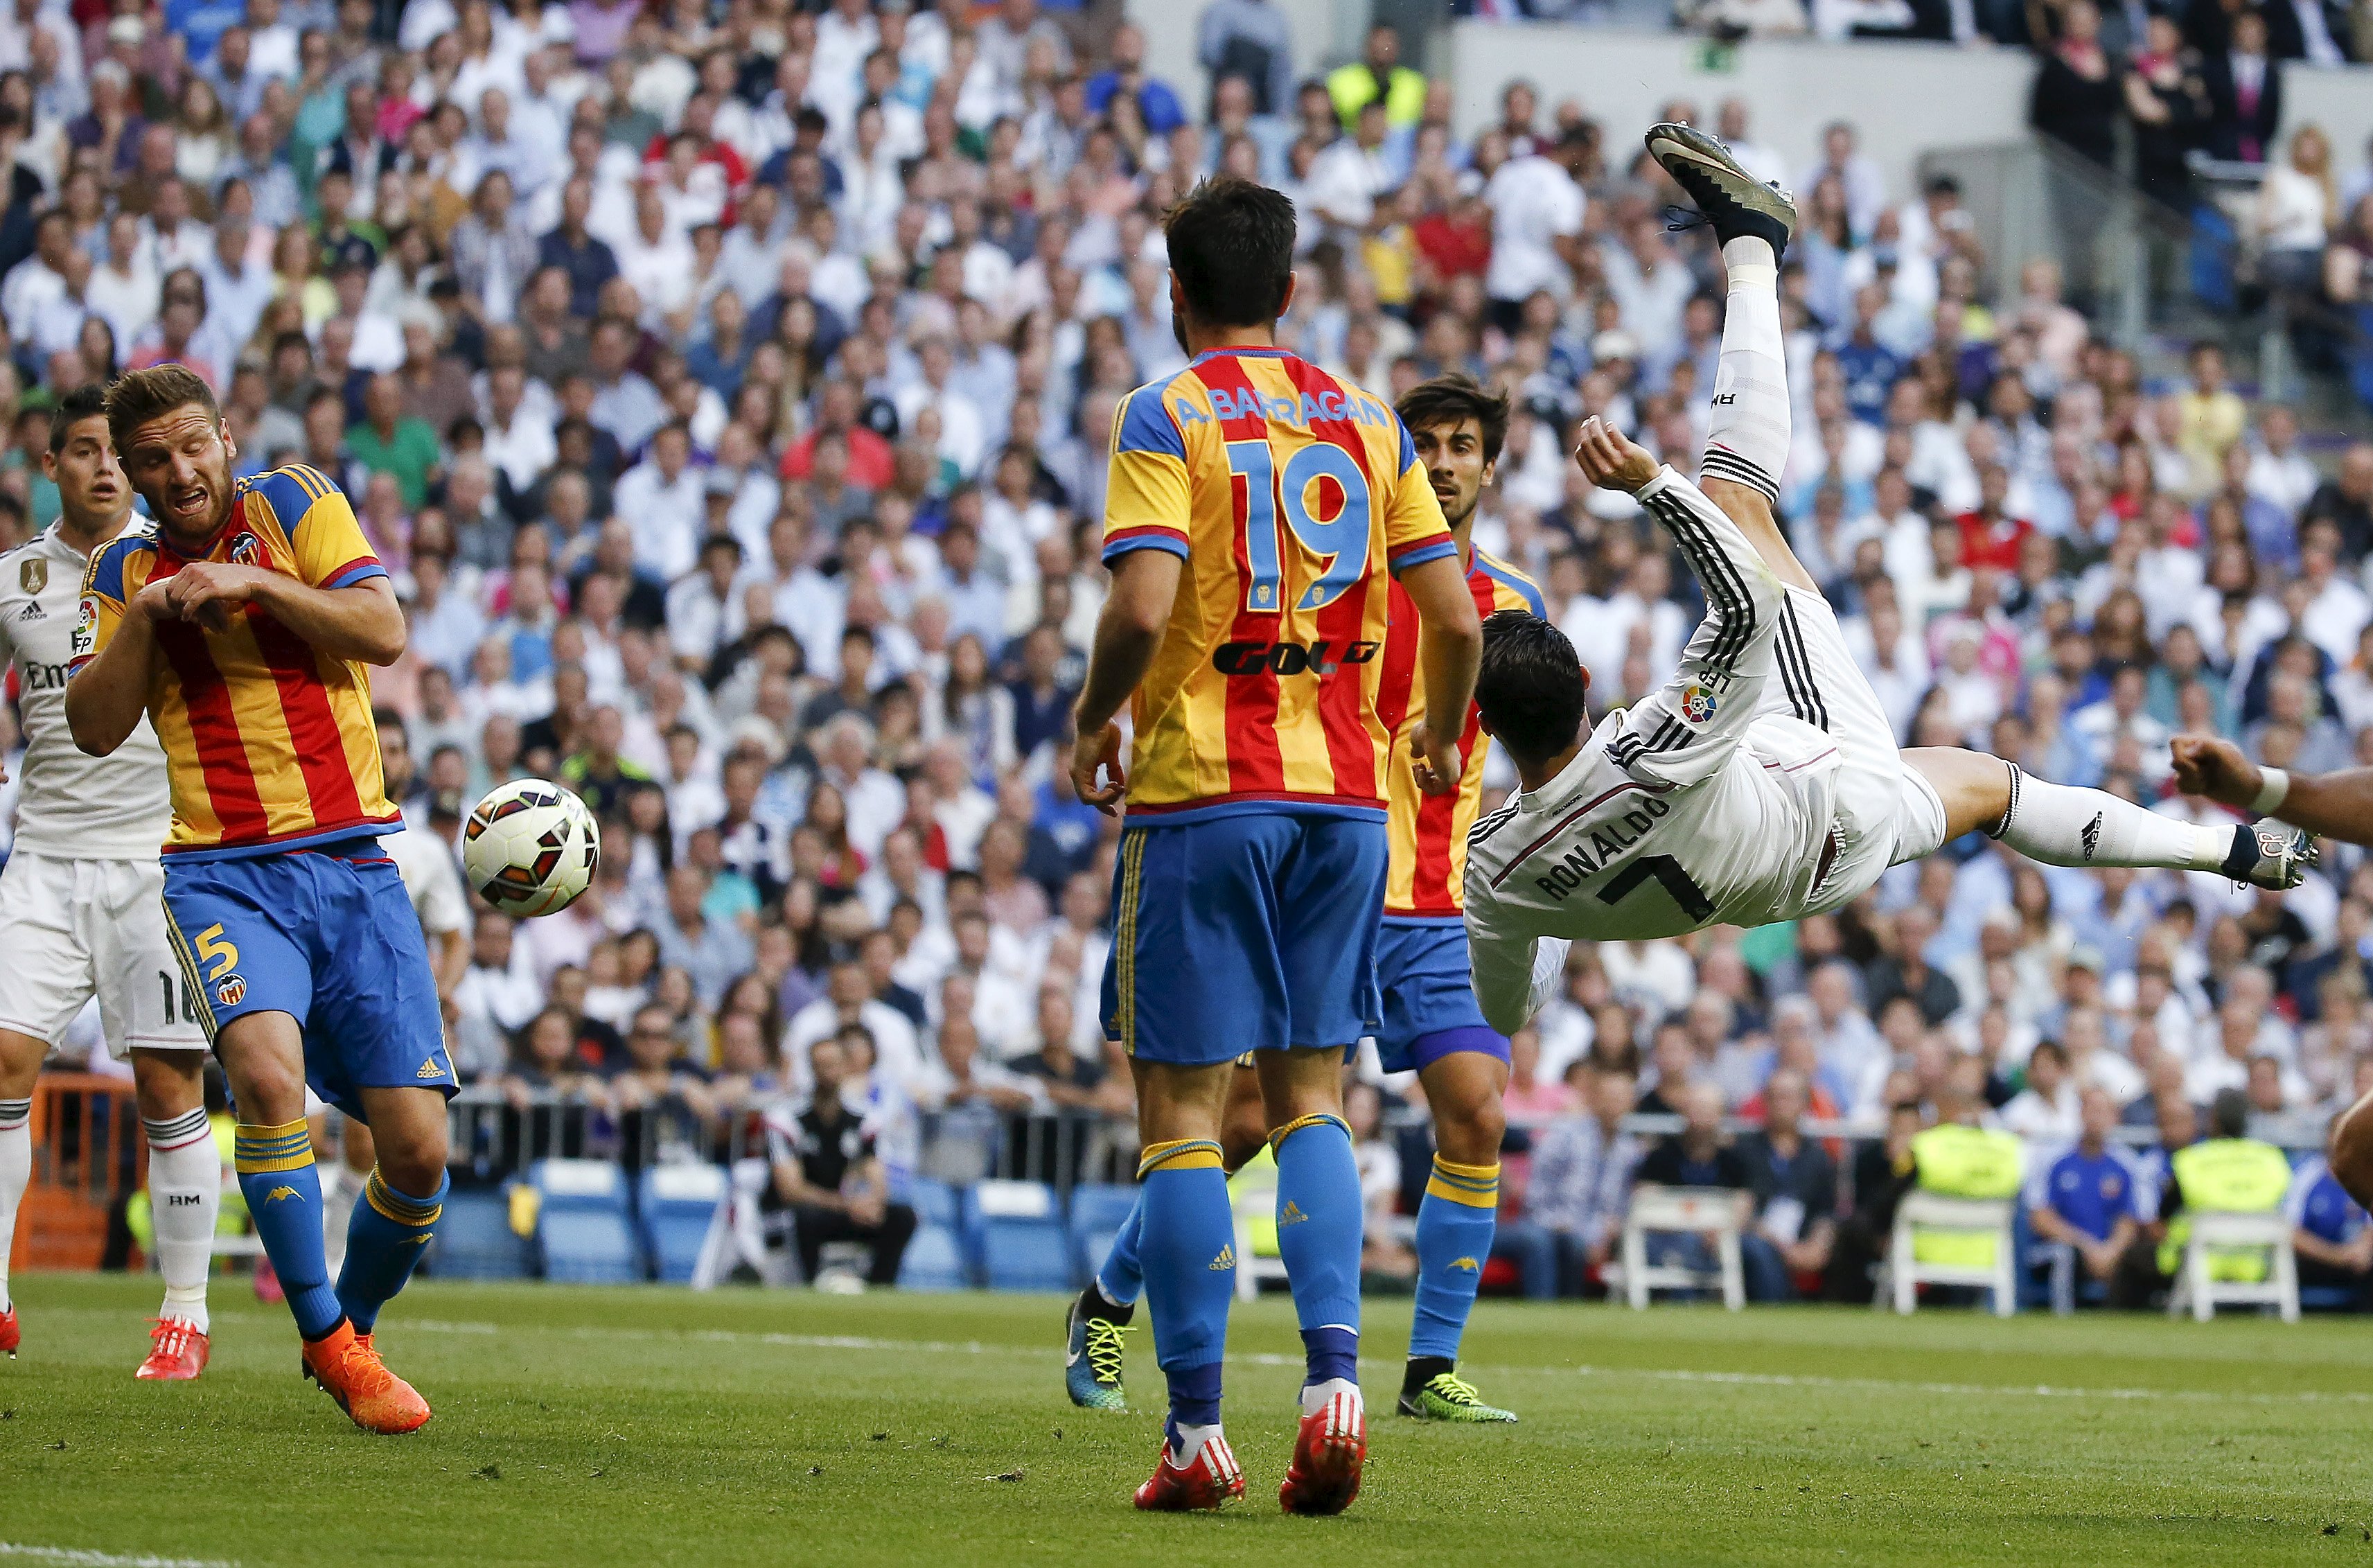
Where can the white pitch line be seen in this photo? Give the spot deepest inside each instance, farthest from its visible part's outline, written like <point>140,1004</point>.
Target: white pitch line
<point>77,1557</point>
<point>1658,1374</point>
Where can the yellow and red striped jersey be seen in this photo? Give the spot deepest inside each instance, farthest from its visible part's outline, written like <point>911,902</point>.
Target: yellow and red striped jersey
<point>1429,831</point>
<point>271,745</point>
<point>1284,490</point>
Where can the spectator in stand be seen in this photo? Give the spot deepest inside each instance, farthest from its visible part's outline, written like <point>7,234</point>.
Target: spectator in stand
<point>1794,1183</point>
<point>1579,1182</point>
<point>826,1177</point>
<point>2091,1199</point>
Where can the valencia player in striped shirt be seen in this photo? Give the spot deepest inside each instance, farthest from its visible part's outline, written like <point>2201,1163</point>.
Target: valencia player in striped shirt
<point>242,620</point>
<point>1430,1022</point>
<point>1257,513</point>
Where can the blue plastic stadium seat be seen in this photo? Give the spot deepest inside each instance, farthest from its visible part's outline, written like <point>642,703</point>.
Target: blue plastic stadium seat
<point>934,1262</point>
<point>1098,1211</point>
<point>1014,1237</point>
<point>677,1204</point>
<point>935,1202</point>
<point>584,1228</point>
<point>1026,1254</point>
<point>474,1239</point>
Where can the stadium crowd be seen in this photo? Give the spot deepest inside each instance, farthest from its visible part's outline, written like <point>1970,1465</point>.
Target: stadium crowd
<point>728,389</point>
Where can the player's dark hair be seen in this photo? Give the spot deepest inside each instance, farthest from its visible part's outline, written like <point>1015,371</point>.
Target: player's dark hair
<point>86,402</point>
<point>143,395</point>
<point>1231,249</point>
<point>1532,686</point>
<point>2228,1114</point>
<point>1448,399</point>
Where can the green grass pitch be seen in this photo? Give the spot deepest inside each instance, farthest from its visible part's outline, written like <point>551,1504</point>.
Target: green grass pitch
<point>654,1426</point>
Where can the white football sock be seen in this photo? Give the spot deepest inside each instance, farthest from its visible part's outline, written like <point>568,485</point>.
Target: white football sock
<point>1188,1441</point>
<point>16,1174</point>
<point>2063,825</point>
<point>1749,435</point>
<point>184,1197</point>
<point>1314,1396</point>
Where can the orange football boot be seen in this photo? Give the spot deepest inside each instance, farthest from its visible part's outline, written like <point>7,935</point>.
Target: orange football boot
<point>177,1352</point>
<point>345,1364</point>
<point>9,1336</point>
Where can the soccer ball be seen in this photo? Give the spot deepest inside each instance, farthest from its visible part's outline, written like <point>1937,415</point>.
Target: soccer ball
<point>531,848</point>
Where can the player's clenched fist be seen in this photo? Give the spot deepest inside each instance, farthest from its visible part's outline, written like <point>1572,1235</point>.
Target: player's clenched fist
<point>1437,761</point>
<point>1611,460</point>
<point>1094,750</point>
<point>2205,764</point>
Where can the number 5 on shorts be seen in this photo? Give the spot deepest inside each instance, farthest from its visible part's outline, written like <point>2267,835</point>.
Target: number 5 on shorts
<point>216,950</point>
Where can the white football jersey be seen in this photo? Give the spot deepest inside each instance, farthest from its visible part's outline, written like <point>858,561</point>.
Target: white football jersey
<point>71,806</point>
<point>1690,810</point>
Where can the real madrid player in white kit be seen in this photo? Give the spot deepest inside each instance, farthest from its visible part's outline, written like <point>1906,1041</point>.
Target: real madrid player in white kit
<point>81,904</point>
<point>1764,781</point>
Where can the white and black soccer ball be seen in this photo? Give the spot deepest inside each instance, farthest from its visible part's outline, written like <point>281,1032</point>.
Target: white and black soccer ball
<point>531,848</point>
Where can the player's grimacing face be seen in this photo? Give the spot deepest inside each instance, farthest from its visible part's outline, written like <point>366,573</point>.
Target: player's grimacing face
<point>1455,465</point>
<point>179,462</point>
<point>90,483</point>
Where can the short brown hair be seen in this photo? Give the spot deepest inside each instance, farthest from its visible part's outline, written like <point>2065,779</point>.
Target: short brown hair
<point>1447,399</point>
<point>143,395</point>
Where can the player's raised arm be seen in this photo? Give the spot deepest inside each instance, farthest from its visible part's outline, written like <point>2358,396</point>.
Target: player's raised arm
<point>2333,805</point>
<point>1679,735</point>
<point>1515,976</point>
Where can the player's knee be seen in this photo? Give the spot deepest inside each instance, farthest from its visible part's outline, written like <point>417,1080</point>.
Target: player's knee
<point>1470,1132</point>
<point>413,1160</point>
<point>167,1086</point>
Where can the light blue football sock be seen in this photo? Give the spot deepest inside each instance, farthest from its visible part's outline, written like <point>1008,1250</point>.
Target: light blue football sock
<point>1188,1253</point>
<point>282,1188</point>
<point>1455,1223</point>
<point>385,1239</point>
<point>1319,1216</point>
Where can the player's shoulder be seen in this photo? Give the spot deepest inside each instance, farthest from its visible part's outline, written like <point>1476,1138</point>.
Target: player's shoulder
<point>1513,580</point>
<point>291,492</point>
<point>1154,417</point>
<point>109,562</point>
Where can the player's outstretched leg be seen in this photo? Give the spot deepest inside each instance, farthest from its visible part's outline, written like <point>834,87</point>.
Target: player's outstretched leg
<point>15,1174</point>
<point>1319,1216</point>
<point>1093,1346</point>
<point>2061,824</point>
<point>1189,1255</point>
<point>1099,1315</point>
<point>184,1197</point>
<point>1464,1072</point>
<point>1749,434</point>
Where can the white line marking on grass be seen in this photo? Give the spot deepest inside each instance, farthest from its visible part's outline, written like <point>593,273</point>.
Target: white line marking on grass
<point>76,1557</point>
<point>1658,1374</point>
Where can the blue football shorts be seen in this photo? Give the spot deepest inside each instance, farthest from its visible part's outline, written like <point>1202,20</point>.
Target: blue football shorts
<point>1428,990</point>
<point>1244,932</point>
<point>329,937</point>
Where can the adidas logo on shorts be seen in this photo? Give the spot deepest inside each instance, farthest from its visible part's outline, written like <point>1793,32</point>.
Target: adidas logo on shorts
<point>1225,1261</point>
<point>429,1069</point>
